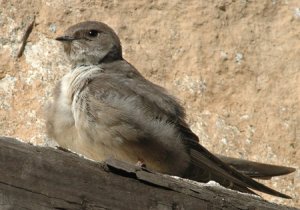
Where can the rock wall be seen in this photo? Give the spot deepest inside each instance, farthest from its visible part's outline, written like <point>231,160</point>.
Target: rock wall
<point>234,64</point>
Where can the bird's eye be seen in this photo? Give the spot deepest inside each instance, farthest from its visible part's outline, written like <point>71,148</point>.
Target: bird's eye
<point>93,33</point>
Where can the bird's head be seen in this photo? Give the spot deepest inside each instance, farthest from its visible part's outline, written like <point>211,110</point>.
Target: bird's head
<point>91,43</point>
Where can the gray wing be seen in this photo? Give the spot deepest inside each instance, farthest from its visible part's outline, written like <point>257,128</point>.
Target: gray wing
<point>148,102</point>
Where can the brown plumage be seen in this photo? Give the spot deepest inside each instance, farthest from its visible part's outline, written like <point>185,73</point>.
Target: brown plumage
<point>105,108</point>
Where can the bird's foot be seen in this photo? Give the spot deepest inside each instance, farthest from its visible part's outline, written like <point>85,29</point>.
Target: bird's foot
<point>141,164</point>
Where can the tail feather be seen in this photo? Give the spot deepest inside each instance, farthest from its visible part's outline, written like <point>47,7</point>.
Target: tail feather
<point>256,169</point>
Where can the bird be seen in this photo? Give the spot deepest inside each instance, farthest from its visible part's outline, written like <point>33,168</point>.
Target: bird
<point>105,108</point>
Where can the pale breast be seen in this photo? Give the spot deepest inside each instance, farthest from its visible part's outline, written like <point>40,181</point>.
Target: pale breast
<point>63,118</point>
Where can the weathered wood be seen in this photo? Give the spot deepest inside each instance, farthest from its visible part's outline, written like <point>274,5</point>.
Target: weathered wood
<point>40,178</point>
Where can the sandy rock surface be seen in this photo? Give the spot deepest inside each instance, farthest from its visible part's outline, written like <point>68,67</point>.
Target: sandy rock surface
<point>234,65</point>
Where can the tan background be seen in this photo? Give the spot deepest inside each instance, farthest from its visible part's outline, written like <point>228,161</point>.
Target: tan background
<point>233,64</point>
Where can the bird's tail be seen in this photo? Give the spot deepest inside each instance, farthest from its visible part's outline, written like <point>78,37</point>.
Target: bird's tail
<point>205,166</point>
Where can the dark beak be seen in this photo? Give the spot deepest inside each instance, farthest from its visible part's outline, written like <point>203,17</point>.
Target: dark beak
<point>65,38</point>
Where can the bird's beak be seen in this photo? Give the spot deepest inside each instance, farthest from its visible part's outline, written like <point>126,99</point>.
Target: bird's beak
<point>65,38</point>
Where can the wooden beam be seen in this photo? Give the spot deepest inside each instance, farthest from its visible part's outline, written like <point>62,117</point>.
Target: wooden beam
<point>33,177</point>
